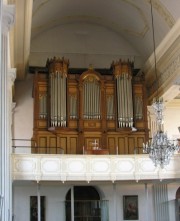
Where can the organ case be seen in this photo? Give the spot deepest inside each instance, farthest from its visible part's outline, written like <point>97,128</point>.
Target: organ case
<point>72,110</point>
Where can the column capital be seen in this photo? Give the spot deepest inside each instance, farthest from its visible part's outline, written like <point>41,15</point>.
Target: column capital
<point>8,15</point>
<point>12,75</point>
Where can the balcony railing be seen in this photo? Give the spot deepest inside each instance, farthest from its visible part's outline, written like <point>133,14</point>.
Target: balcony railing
<point>29,146</point>
<point>66,167</point>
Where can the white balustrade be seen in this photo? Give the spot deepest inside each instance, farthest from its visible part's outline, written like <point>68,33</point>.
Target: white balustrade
<point>88,168</point>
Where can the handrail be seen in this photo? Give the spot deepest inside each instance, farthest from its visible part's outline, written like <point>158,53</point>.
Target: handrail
<point>31,146</point>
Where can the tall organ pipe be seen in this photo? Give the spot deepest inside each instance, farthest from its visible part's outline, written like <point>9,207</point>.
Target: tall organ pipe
<point>122,72</point>
<point>91,101</point>
<point>58,69</point>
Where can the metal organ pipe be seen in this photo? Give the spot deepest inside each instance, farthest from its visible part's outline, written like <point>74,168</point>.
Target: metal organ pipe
<point>85,99</point>
<point>127,102</point>
<point>60,97</point>
<point>84,104</point>
<point>110,107</point>
<point>119,100</point>
<point>45,105</point>
<point>42,106</point>
<point>58,76</point>
<point>95,95</point>
<point>138,107</point>
<point>73,106</point>
<point>95,101</point>
<point>91,101</point>
<point>124,101</point>
<point>123,78</point>
<point>52,98</point>
<point>98,101</point>
<point>131,102</point>
<point>64,101</point>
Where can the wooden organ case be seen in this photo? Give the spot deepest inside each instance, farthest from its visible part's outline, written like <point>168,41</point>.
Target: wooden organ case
<point>74,113</point>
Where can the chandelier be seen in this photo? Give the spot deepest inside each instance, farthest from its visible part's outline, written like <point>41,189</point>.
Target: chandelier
<point>159,148</point>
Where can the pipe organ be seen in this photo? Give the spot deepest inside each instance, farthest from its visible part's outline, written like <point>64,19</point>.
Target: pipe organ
<point>91,98</point>
<point>122,72</point>
<point>73,106</point>
<point>58,91</point>
<point>72,110</point>
<point>110,107</point>
<point>138,104</point>
<point>42,105</point>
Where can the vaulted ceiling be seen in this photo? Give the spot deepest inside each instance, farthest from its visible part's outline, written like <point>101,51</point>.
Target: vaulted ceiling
<point>91,31</point>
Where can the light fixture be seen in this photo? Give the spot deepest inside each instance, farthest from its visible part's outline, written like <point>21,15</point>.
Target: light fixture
<point>159,148</point>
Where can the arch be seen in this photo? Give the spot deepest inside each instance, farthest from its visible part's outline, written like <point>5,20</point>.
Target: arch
<point>87,204</point>
<point>84,193</point>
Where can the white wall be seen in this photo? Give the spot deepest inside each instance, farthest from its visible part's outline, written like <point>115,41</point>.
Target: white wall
<point>83,44</point>
<point>23,113</point>
<point>56,192</point>
<point>172,121</point>
<point>55,196</point>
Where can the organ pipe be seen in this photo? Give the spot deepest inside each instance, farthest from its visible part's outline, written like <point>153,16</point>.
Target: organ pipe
<point>138,107</point>
<point>110,107</point>
<point>58,69</point>
<point>73,106</point>
<point>43,106</point>
<point>123,78</point>
<point>91,98</point>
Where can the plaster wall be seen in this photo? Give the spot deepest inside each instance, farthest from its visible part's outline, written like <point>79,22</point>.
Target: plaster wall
<point>22,127</point>
<point>172,121</point>
<point>55,194</point>
<point>83,44</point>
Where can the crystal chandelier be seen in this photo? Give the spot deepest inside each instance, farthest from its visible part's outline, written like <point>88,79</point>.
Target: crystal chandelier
<point>159,148</point>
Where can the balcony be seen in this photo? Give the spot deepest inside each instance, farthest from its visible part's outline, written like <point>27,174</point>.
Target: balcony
<point>61,167</point>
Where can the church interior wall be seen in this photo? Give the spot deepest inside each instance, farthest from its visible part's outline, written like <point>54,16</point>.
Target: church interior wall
<point>172,122</point>
<point>83,44</point>
<point>23,113</point>
<point>55,194</point>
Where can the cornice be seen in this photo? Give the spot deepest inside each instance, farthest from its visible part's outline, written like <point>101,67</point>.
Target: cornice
<point>168,63</point>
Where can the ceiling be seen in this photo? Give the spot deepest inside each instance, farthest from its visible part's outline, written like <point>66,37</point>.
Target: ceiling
<point>89,31</point>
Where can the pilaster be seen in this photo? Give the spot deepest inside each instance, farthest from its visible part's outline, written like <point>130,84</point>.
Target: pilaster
<point>7,20</point>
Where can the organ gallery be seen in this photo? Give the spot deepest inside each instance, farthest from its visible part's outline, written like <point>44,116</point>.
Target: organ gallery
<point>89,111</point>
